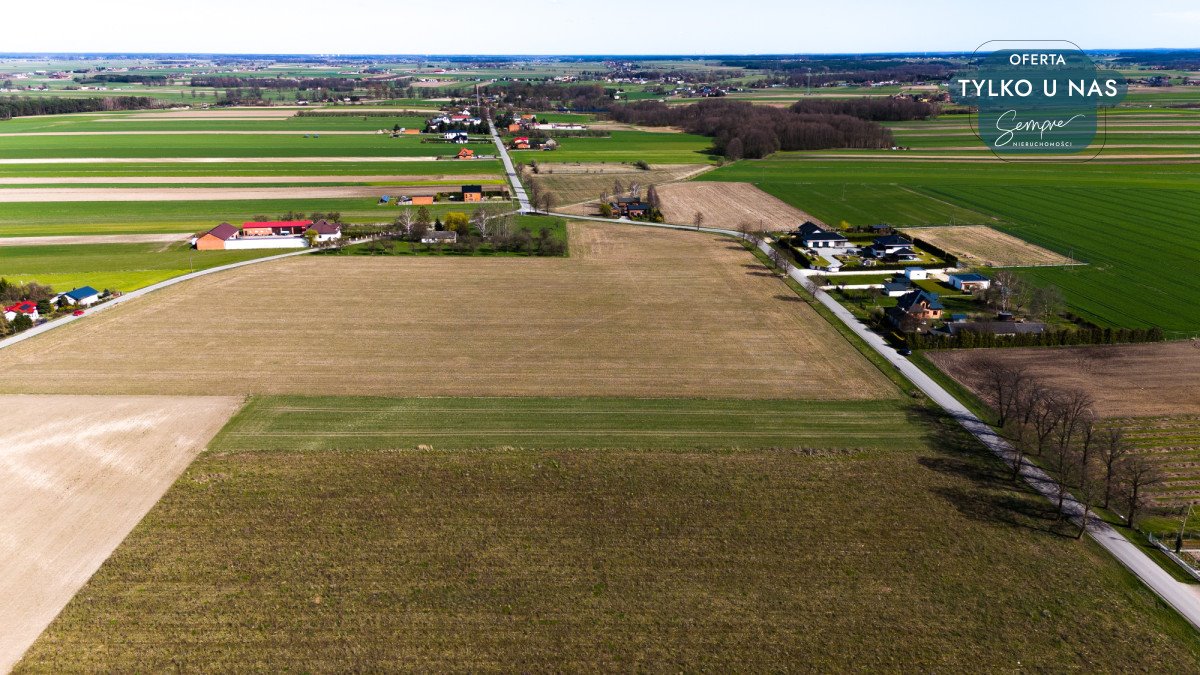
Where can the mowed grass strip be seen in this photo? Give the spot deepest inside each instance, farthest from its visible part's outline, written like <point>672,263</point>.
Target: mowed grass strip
<point>549,558</point>
<point>303,423</point>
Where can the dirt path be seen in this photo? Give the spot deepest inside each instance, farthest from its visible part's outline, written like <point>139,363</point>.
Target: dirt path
<point>77,473</point>
<point>95,239</point>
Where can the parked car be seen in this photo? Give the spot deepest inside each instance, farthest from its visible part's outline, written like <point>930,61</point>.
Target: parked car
<point>904,351</point>
<point>78,312</point>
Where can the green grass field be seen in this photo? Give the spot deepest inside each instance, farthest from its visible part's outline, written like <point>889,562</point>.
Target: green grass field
<point>219,145</point>
<point>1134,224</point>
<point>122,267</point>
<point>626,146</point>
<point>599,534</point>
<point>30,219</point>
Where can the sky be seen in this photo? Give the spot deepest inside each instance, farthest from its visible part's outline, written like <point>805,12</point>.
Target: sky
<point>588,26</point>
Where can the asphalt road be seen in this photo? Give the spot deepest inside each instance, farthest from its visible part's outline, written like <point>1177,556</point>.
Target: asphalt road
<point>1179,595</point>
<point>518,189</point>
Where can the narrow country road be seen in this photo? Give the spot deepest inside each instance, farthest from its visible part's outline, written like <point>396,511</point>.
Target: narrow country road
<point>1174,593</point>
<point>518,189</point>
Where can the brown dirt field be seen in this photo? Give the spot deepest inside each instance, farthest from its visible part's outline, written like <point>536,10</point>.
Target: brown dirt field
<point>728,204</point>
<point>574,184</point>
<point>1125,380</point>
<point>76,474</point>
<point>982,245</point>
<point>210,160</point>
<point>632,312</point>
<point>203,180</point>
<point>95,239</point>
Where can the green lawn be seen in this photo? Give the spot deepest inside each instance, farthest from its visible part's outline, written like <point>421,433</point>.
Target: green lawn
<point>603,534</point>
<point>218,145</point>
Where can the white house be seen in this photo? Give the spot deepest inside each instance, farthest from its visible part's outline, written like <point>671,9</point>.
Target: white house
<point>916,273</point>
<point>970,282</point>
<point>84,297</point>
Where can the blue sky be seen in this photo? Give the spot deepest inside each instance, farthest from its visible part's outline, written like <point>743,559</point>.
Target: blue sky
<point>588,26</point>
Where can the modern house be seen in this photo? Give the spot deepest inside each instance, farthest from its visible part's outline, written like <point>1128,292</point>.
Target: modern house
<point>916,273</point>
<point>917,306</point>
<point>631,207</point>
<point>84,297</point>
<point>891,245</point>
<point>472,193</point>
<point>970,282</point>
<point>26,307</point>
<point>465,153</point>
<point>895,289</point>
<point>825,239</point>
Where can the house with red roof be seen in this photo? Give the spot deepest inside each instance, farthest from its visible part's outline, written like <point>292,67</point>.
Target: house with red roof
<point>26,307</point>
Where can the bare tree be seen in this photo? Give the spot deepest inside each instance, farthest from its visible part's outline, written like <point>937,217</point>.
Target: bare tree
<point>1113,450</point>
<point>1091,488</point>
<point>1138,476</point>
<point>481,218</point>
<point>635,190</point>
<point>534,193</point>
<point>652,197</point>
<point>1022,439</point>
<point>1004,384</point>
<point>1045,418</point>
<point>547,201</point>
<point>618,187</point>
<point>698,219</point>
<point>744,228</point>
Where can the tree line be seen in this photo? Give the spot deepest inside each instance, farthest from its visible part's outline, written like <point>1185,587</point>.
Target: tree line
<point>874,108</point>
<point>18,106</point>
<point>742,130</point>
<point>1079,450</point>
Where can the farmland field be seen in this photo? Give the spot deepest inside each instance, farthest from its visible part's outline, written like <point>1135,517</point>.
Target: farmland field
<point>625,146</point>
<point>1099,214</point>
<point>619,317</point>
<point>76,475</point>
<point>581,183</point>
<point>445,534</point>
<point>81,218</point>
<point>1125,380</point>
<point>982,245</point>
<point>728,205</point>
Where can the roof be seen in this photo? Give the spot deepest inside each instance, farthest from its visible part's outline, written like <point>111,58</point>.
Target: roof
<point>997,327</point>
<point>473,188</point>
<point>824,236</point>
<point>326,227</point>
<point>808,228</point>
<point>81,293</point>
<point>892,240</point>
<point>896,286</point>
<point>440,234</point>
<point>637,206</point>
<point>910,300</point>
<point>969,276</point>
<point>628,200</point>
<point>23,307</point>
<point>224,231</point>
<point>276,223</point>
